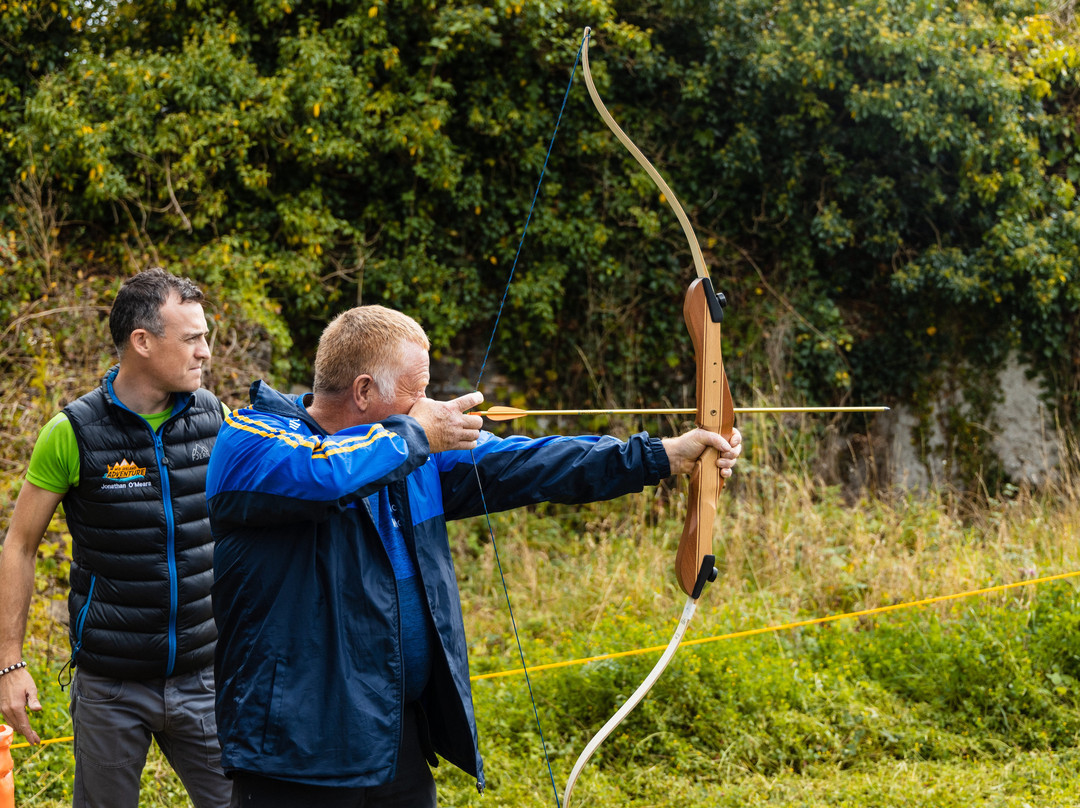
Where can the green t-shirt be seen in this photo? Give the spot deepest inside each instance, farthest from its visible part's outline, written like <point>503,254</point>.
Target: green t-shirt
<point>54,464</point>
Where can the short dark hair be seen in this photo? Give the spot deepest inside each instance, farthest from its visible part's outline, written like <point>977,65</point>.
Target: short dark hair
<point>139,301</point>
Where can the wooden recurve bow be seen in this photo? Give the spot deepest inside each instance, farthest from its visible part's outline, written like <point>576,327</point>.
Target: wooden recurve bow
<point>703,313</point>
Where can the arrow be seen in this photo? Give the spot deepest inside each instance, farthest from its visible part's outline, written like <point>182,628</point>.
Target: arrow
<point>501,413</point>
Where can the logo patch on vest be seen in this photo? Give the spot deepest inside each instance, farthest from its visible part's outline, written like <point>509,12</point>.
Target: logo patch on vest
<point>124,471</point>
<point>199,452</point>
<point>124,475</point>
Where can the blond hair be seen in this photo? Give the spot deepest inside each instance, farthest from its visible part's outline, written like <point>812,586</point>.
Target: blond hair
<point>366,340</point>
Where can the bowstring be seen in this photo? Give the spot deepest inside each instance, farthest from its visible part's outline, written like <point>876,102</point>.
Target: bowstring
<point>528,217</point>
<point>476,469</point>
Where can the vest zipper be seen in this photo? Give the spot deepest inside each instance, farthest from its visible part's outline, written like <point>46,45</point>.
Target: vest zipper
<point>181,402</point>
<point>170,546</point>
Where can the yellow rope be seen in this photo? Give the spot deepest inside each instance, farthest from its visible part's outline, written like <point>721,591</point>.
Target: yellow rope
<point>735,634</point>
<point>767,629</point>
<point>24,744</point>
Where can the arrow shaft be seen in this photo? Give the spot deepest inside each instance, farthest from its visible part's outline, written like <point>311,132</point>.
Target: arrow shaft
<point>509,413</point>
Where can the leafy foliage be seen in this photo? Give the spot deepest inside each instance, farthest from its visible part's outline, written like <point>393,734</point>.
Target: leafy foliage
<point>877,185</point>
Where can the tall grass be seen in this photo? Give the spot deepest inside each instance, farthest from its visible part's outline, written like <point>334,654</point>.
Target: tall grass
<point>594,580</point>
<point>971,702</point>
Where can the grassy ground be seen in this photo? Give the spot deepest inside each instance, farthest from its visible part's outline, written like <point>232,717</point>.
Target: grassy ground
<point>971,702</point>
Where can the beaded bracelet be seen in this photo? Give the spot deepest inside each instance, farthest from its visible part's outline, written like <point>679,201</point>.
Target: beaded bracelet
<point>14,667</point>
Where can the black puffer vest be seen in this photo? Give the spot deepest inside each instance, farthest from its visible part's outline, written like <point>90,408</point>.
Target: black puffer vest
<point>143,554</point>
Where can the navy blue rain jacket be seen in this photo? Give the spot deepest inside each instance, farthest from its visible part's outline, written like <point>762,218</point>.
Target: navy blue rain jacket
<point>309,663</point>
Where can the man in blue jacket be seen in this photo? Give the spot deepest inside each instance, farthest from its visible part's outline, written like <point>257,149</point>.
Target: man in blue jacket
<point>342,662</point>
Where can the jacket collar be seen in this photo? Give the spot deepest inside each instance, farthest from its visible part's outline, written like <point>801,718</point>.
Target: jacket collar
<point>180,401</point>
<point>266,399</point>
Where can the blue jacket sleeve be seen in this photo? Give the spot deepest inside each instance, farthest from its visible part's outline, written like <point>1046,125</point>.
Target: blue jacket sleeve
<point>266,470</point>
<point>518,471</point>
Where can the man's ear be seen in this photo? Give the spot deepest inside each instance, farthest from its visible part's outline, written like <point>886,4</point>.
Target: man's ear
<point>363,389</point>
<point>139,342</point>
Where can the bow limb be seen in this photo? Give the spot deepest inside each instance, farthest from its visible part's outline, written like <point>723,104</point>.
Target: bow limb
<point>632,702</point>
<point>643,161</point>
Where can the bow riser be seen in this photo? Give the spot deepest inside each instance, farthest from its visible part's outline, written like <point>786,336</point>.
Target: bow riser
<point>715,412</point>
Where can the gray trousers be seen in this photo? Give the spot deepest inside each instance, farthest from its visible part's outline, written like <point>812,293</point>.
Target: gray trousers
<point>115,721</point>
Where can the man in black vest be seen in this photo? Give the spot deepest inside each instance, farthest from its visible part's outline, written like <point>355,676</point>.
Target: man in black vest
<point>128,460</point>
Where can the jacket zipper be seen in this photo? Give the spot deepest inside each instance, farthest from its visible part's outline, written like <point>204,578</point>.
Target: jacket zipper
<point>397,613</point>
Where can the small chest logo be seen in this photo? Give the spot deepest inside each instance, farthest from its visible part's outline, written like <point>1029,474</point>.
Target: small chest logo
<point>199,452</point>
<point>124,471</point>
<point>294,424</point>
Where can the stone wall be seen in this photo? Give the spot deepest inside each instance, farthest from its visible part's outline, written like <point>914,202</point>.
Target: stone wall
<point>1021,433</point>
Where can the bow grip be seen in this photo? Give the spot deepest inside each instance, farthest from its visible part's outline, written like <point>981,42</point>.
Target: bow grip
<point>703,313</point>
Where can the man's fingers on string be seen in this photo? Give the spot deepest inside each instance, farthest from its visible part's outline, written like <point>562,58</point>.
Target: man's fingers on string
<point>470,421</point>
<point>468,401</point>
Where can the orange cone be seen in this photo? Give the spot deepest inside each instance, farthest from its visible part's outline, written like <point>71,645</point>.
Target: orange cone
<point>7,768</point>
